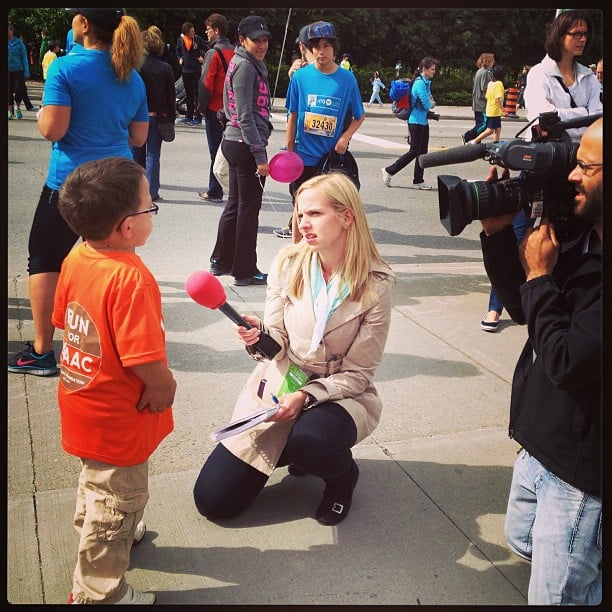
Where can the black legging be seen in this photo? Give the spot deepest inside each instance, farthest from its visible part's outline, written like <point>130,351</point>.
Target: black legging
<point>16,87</point>
<point>419,143</point>
<point>319,443</point>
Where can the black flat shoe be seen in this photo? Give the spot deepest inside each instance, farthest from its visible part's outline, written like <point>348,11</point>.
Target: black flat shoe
<point>294,470</point>
<point>334,508</point>
<point>259,278</point>
<point>218,269</point>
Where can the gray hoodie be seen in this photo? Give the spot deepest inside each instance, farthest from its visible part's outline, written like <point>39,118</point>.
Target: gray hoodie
<point>246,103</point>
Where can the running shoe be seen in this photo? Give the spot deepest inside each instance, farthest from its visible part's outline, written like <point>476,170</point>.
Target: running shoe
<point>28,361</point>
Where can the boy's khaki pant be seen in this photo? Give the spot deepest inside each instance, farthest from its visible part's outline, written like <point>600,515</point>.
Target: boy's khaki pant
<point>110,503</point>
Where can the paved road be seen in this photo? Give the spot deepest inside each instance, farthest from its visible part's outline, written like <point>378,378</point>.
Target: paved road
<point>426,526</point>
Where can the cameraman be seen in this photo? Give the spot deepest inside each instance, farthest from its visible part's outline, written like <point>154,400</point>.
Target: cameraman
<point>554,508</point>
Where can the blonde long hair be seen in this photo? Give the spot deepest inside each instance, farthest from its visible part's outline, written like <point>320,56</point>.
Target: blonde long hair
<point>361,251</point>
<point>126,47</point>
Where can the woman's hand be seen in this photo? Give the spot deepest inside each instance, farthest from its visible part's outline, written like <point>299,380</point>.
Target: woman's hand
<point>291,405</point>
<point>263,169</point>
<point>249,336</point>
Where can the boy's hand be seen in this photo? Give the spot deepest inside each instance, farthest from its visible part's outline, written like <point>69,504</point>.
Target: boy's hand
<point>157,399</point>
<point>159,386</point>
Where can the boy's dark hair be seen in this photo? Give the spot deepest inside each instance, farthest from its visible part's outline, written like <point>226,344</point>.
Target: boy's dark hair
<point>53,44</point>
<point>98,194</point>
<point>561,26</point>
<point>310,44</point>
<point>498,72</point>
<point>218,22</point>
<point>186,27</point>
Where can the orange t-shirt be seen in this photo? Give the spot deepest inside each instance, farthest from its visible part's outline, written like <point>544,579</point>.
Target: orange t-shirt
<point>109,306</point>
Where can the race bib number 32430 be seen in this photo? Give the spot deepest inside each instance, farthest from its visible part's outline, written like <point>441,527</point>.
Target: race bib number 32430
<point>319,124</point>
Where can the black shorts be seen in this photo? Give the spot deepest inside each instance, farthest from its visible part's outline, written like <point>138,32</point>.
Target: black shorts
<point>50,237</point>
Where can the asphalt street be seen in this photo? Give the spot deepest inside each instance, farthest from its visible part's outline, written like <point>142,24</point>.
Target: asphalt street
<point>426,524</point>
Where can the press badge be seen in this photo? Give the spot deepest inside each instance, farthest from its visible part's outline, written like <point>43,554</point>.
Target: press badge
<point>320,124</point>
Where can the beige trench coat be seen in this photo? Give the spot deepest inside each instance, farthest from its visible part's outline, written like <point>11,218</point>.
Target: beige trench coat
<point>341,370</point>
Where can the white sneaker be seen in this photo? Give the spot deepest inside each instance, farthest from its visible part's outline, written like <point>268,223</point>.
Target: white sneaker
<point>136,597</point>
<point>386,178</point>
<point>420,186</point>
<point>131,597</point>
<point>139,533</point>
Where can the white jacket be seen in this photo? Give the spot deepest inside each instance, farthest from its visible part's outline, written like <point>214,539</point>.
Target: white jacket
<point>544,93</point>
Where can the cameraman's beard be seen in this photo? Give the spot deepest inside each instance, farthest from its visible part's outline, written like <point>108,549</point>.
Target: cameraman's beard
<point>591,207</point>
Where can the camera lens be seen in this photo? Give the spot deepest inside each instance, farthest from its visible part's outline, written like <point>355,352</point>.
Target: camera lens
<point>462,201</point>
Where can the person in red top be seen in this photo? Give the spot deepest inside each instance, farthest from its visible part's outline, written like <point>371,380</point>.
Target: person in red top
<point>115,391</point>
<point>214,68</point>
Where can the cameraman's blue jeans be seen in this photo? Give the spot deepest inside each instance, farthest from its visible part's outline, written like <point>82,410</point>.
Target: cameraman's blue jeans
<point>559,529</point>
<point>520,224</point>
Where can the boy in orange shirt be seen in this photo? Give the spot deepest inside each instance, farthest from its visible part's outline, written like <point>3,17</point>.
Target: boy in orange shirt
<point>115,391</point>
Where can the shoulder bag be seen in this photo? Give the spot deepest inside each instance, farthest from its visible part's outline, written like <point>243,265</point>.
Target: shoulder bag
<point>165,125</point>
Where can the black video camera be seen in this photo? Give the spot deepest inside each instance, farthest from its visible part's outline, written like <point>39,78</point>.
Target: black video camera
<point>541,189</point>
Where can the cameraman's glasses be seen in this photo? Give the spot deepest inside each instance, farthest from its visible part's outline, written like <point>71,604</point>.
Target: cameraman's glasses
<point>584,168</point>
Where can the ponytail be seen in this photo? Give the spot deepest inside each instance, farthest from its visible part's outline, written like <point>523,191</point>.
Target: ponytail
<point>127,49</point>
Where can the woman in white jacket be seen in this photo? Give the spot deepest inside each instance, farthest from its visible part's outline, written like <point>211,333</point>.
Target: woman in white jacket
<point>328,305</point>
<point>559,82</point>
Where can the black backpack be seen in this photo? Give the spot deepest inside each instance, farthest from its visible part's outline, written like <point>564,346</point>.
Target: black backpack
<point>344,162</point>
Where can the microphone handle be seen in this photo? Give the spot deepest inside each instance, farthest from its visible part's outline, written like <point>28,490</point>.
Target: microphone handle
<point>579,122</point>
<point>229,312</point>
<point>456,155</point>
<point>265,346</point>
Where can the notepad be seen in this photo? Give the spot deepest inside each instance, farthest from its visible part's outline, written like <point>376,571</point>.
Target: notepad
<point>240,425</point>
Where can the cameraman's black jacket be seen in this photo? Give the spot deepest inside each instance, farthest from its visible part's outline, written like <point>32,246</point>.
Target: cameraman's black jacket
<point>555,409</point>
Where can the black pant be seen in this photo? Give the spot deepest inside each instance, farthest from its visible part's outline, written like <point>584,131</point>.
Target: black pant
<point>319,443</point>
<point>236,246</point>
<point>51,239</point>
<point>480,123</point>
<point>214,136</point>
<point>307,173</point>
<point>419,143</point>
<point>16,87</point>
<point>190,82</point>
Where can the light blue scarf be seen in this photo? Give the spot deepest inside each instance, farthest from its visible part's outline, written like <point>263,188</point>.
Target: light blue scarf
<point>326,297</point>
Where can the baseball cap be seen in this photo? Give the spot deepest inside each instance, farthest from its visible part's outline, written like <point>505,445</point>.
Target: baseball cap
<point>108,19</point>
<point>253,26</point>
<point>302,35</point>
<point>321,29</point>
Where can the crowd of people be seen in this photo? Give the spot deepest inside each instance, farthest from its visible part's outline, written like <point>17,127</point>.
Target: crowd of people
<point>328,293</point>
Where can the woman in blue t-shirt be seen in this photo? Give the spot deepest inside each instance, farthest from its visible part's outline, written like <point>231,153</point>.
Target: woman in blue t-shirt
<point>94,105</point>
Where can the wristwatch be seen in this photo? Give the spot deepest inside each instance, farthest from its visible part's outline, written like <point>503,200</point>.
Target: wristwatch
<point>309,401</point>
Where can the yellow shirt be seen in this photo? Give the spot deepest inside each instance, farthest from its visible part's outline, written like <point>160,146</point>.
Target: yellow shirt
<point>495,89</point>
<point>46,62</point>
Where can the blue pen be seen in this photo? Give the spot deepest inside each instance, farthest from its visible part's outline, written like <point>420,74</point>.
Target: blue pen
<point>275,399</point>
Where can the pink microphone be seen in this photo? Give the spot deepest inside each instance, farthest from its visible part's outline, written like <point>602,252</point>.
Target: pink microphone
<point>205,289</point>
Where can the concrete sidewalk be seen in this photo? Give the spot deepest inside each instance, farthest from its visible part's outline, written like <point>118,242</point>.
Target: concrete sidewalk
<point>426,524</point>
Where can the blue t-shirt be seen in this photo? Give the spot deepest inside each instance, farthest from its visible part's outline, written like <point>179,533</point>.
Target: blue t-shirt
<point>322,102</point>
<point>102,109</point>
